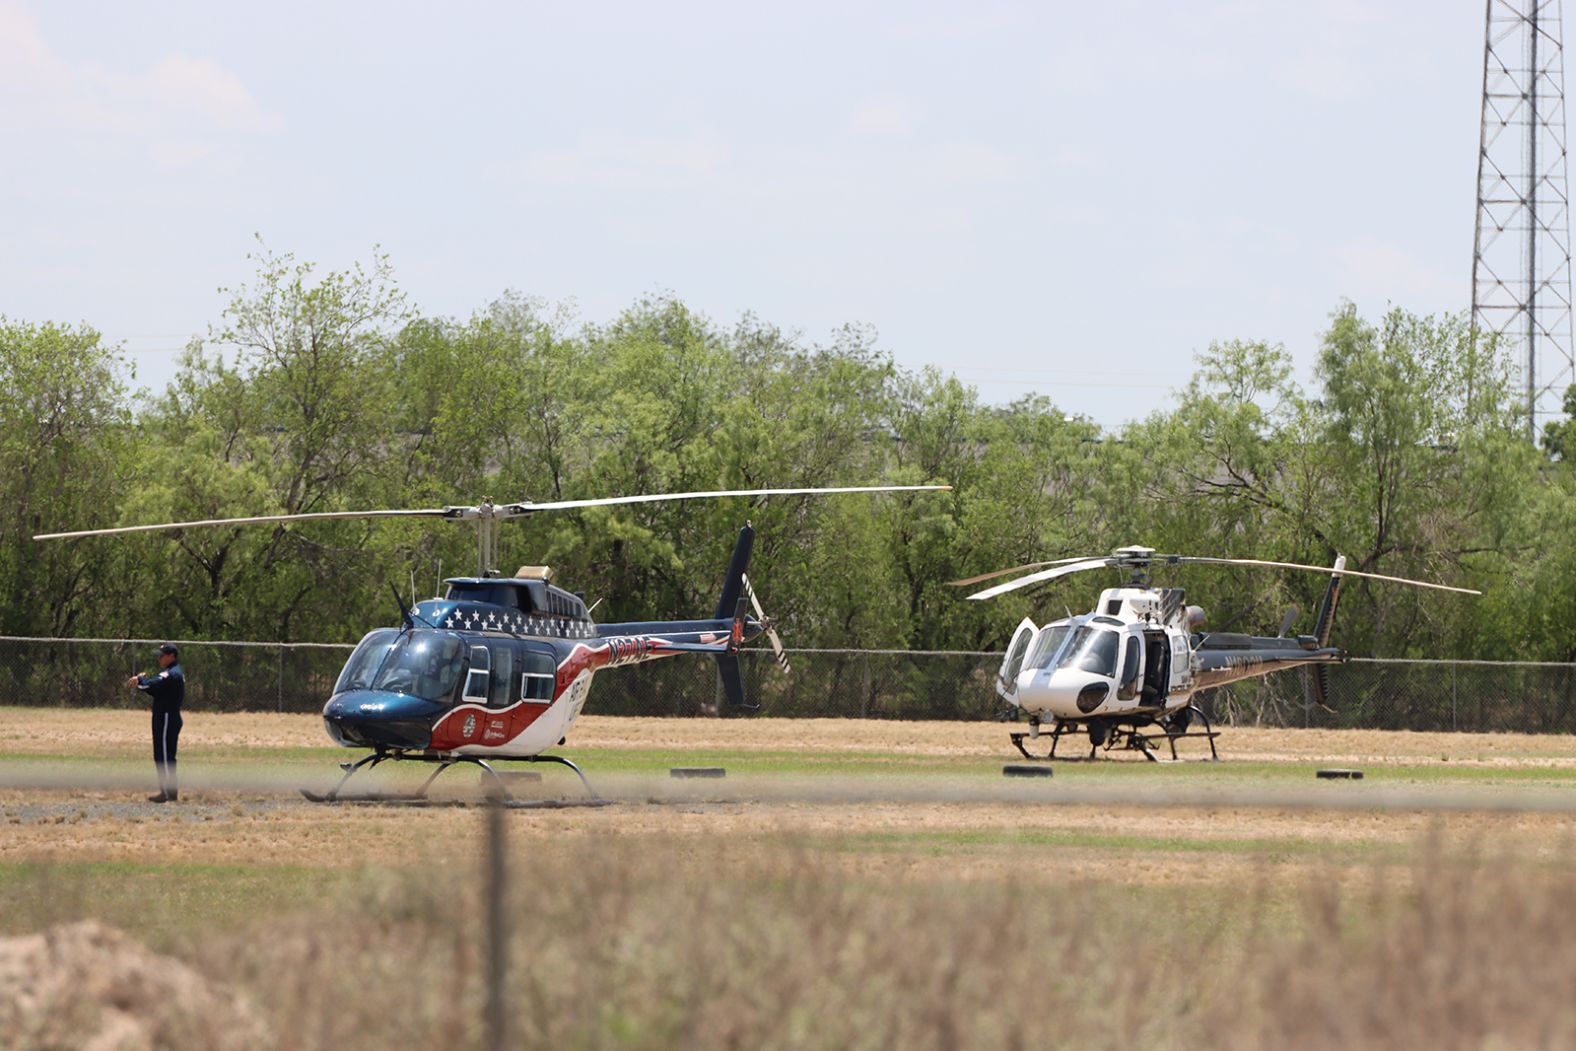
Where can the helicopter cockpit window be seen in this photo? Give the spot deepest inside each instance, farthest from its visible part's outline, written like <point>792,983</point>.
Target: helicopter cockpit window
<point>425,664</point>
<point>480,677</point>
<point>363,663</point>
<point>1092,649</point>
<point>1046,645</point>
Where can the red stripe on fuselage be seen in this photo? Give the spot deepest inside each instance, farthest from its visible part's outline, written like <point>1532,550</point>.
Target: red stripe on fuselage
<point>493,727</point>
<point>486,726</point>
<point>609,653</point>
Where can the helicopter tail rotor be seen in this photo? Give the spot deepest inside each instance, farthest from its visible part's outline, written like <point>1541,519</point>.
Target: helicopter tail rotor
<point>770,628</point>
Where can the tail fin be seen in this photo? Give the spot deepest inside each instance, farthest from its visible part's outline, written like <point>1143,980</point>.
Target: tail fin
<point>1325,622</point>
<point>732,604</point>
<point>1319,680</point>
<point>733,583</point>
<point>728,665</point>
<point>733,681</point>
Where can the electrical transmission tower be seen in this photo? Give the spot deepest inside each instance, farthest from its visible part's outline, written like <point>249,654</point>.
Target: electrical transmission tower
<point>1521,254</point>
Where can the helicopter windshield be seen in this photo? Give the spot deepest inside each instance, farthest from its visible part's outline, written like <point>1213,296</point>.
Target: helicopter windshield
<point>425,664</point>
<point>1046,645</point>
<point>1092,649</point>
<point>365,661</point>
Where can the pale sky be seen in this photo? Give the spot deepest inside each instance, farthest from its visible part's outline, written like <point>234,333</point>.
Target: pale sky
<point>1063,198</point>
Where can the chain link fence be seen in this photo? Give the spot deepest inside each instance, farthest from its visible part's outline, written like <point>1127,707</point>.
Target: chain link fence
<point>871,684</point>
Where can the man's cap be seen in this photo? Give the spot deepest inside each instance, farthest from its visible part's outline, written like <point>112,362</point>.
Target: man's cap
<point>168,647</point>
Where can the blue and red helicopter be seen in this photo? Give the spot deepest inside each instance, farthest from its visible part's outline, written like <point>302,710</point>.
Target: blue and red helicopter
<point>500,667</point>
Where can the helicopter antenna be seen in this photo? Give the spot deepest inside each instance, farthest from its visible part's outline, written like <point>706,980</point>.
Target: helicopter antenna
<point>593,605</point>
<point>404,610</point>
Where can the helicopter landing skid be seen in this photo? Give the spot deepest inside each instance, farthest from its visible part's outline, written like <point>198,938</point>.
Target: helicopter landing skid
<point>497,789</point>
<point>1131,738</point>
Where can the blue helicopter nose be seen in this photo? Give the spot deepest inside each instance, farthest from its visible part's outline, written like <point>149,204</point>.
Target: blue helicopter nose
<point>379,719</point>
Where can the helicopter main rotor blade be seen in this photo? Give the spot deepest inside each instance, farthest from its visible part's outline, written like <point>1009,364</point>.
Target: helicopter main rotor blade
<point>1047,574</point>
<point>966,581</point>
<point>652,498</point>
<point>1323,569</point>
<point>482,511</point>
<point>435,512</point>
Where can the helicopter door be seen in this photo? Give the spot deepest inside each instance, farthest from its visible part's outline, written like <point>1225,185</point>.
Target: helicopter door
<point>1012,664</point>
<point>1157,676</point>
<point>503,660</point>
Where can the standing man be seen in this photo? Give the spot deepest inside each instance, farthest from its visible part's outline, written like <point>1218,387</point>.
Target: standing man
<point>167,687</point>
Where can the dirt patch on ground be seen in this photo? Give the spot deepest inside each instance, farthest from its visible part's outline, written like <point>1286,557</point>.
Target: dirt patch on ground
<point>887,838</point>
<point>88,986</point>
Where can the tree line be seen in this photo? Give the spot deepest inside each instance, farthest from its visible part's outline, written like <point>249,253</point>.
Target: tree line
<point>328,391</point>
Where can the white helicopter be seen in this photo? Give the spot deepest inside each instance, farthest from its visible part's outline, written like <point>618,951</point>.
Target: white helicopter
<point>1127,670</point>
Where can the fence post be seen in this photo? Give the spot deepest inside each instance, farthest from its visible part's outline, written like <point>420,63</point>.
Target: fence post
<point>1452,697</point>
<point>281,678</point>
<point>497,932</point>
<point>864,686</point>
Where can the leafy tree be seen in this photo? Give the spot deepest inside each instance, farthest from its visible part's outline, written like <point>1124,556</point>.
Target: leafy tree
<point>326,392</point>
<point>1559,436</point>
<point>295,421</point>
<point>69,458</point>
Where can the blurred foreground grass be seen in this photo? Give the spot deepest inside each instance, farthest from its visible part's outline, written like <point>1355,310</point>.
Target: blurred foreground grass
<point>765,942</point>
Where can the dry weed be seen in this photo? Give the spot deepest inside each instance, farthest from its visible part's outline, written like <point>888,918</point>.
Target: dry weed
<point>764,945</point>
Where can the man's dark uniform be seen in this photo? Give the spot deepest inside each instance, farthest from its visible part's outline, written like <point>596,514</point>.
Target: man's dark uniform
<point>168,690</point>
